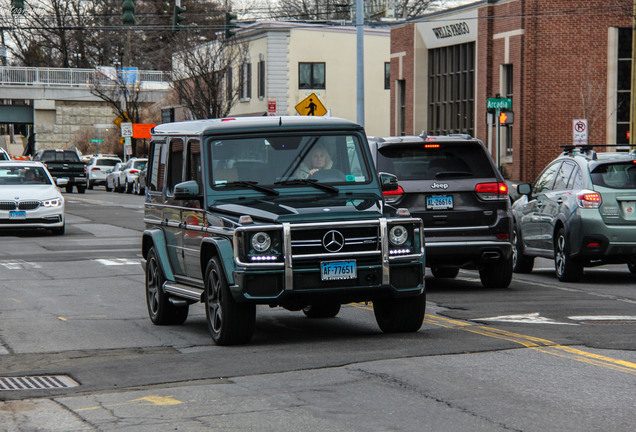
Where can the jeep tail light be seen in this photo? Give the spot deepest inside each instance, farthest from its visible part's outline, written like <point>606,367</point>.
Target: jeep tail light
<point>492,191</point>
<point>589,199</point>
<point>85,168</point>
<point>391,197</point>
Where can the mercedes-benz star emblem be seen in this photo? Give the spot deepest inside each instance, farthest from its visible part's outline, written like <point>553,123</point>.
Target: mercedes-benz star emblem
<point>333,241</point>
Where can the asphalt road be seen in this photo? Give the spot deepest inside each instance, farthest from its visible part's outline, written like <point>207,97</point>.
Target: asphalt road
<point>540,355</point>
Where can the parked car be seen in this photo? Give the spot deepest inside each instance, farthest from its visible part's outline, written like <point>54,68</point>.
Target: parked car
<point>98,168</point>
<point>64,164</point>
<point>129,172</point>
<point>452,183</point>
<point>139,184</point>
<point>29,197</point>
<point>580,211</point>
<point>232,222</point>
<point>112,178</point>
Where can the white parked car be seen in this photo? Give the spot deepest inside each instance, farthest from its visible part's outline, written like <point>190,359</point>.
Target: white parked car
<point>98,168</point>
<point>129,173</point>
<point>29,198</point>
<point>112,178</point>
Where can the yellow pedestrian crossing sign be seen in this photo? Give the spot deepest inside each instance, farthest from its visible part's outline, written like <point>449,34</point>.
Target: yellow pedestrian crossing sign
<point>311,106</point>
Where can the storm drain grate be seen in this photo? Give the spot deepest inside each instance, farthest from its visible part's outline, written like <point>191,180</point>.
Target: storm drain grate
<point>38,382</point>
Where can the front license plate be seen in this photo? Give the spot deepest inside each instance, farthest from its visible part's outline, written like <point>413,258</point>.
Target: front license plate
<point>338,270</point>
<point>439,202</point>
<point>17,215</point>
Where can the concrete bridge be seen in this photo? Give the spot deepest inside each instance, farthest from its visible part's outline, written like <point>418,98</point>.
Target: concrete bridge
<point>57,103</point>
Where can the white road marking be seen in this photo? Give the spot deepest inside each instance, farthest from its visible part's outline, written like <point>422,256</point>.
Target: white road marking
<point>603,318</point>
<point>19,265</point>
<point>117,261</point>
<point>531,318</point>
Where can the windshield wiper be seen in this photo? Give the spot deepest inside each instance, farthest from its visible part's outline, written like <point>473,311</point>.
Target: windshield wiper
<point>444,174</point>
<point>309,182</point>
<point>251,185</point>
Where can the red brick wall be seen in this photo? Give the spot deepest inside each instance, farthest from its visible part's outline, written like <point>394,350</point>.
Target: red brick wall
<point>402,40</point>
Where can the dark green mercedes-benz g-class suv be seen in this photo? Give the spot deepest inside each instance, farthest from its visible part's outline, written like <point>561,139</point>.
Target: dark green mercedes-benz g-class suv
<point>278,211</point>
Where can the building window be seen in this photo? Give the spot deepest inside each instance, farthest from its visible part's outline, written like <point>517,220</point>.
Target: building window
<point>261,79</point>
<point>387,76</point>
<point>451,89</point>
<point>624,80</point>
<point>507,88</point>
<point>311,75</point>
<point>245,79</point>
<point>401,92</point>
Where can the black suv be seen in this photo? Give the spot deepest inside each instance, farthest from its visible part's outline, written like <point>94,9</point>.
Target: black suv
<point>452,183</point>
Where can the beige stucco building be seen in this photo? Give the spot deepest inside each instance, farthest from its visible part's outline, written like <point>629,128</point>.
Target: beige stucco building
<point>287,62</point>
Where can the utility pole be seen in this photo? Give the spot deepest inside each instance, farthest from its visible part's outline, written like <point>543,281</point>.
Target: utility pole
<point>632,105</point>
<point>360,59</point>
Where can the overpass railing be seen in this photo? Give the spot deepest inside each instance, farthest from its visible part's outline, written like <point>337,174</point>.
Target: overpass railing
<point>60,77</point>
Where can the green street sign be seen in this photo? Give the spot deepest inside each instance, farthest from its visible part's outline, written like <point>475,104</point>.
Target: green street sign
<point>499,103</point>
<point>97,140</point>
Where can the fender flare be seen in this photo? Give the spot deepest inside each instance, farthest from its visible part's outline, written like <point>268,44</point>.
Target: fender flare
<point>221,247</point>
<point>156,238</point>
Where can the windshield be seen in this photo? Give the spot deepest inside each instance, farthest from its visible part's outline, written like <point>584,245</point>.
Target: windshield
<point>19,175</point>
<point>285,159</point>
<point>615,175</point>
<point>417,162</point>
<point>140,164</point>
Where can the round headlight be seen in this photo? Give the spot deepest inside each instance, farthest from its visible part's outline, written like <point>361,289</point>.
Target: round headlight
<point>261,241</point>
<point>398,235</point>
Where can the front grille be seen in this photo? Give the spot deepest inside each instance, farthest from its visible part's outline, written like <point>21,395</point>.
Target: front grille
<point>7,205</point>
<point>28,205</point>
<point>355,239</point>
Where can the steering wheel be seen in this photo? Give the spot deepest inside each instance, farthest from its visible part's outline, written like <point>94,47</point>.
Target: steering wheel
<point>328,175</point>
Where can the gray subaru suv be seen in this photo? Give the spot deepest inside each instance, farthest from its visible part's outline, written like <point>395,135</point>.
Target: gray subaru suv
<point>452,183</point>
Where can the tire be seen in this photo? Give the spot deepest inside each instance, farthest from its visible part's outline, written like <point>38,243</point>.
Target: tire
<point>322,310</point>
<point>229,322</point>
<point>445,272</point>
<point>69,188</point>
<point>520,263</point>
<point>89,185</point>
<point>119,188</point>
<point>128,187</point>
<point>400,315</point>
<point>631,267</point>
<point>568,269</point>
<point>135,188</point>
<point>108,188</point>
<point>81,189</point>
<point>59,230</point>
<point>160,310</point>
<point>497,274</point>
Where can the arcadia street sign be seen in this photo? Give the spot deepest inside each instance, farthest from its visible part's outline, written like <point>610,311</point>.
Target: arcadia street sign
<point>499,103</point>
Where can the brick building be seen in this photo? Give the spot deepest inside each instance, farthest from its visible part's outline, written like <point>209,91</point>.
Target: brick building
<point>556,60</point>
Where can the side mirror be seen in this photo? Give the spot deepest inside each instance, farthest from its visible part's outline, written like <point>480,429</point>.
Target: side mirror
<point>524,188</point>
<point>61,181</point>
<point>389,182</point>
<point>187,190</point>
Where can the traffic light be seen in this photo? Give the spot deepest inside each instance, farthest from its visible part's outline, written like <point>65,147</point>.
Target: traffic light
<point>230,23</point>
<point>177,18</point>
<point>18,5</point>
<point>506,118</point>
<point>128,12</point>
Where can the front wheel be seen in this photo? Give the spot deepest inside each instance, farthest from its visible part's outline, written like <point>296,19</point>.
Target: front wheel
<point>89,184</point>
<point>69,188</point>
<point>520,263</point>
<point>322,310</point>
<point>160,310</point>
<point>497,274</point>
<point>400,315</point>
<point>229,322</point>
<point>568,269</point>
<point>81,188</point>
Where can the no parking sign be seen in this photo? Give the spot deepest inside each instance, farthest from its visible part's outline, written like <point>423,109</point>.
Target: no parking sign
<point>579,131</point>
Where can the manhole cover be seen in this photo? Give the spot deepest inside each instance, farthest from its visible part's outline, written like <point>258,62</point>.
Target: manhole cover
<point>37,382</point>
